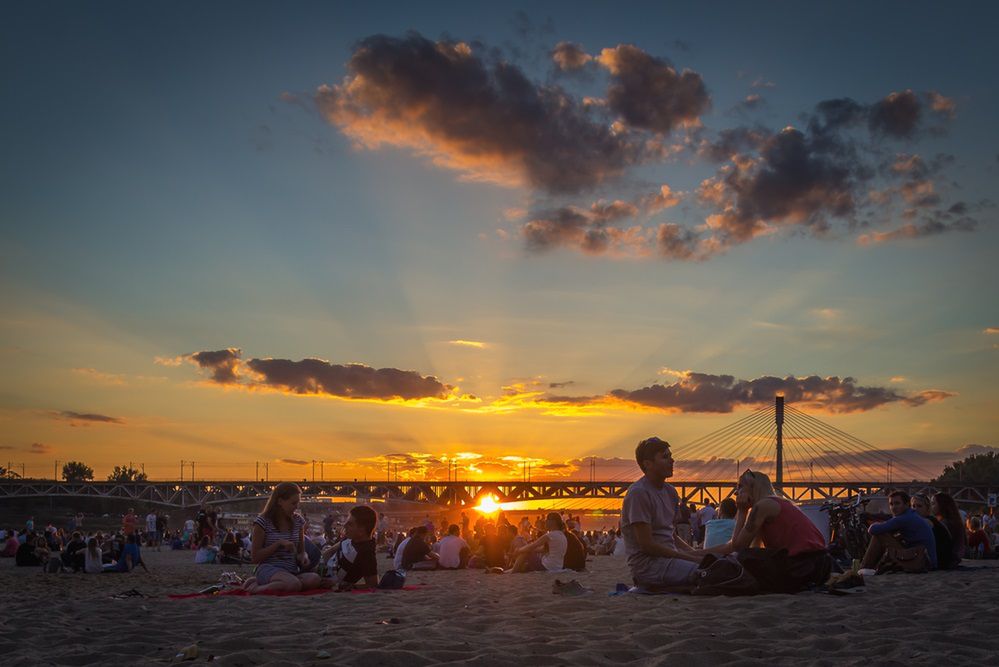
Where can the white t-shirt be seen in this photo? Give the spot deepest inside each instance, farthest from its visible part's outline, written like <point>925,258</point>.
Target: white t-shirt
<point>398,554</point>
<point>705,514</point>
<point>93,565</point>
<point>555,558</point>
<point>450,551</point>
<point>151,523</point>
<point>189,525</point>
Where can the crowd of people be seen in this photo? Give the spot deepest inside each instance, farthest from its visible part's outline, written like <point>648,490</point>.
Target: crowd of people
<point>758,541</point>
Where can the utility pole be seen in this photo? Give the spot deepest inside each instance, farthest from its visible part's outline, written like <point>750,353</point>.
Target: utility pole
<point>55,471</point>
<point>322,474</point>
<point>313,470</point>
<point>256,471</point>
<point>267,471</point>
<point>192,470</point>
<point>779,404</point>
<point>182,470</point>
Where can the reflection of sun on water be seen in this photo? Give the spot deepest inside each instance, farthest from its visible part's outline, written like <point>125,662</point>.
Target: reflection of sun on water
<point>487,505</point>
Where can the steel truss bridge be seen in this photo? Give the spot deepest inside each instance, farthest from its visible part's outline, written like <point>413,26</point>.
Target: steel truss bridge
<point>806,458</point>
<point>450,494</point>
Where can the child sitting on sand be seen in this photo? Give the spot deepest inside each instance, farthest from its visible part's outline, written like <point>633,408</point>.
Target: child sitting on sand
<point>353,558</point>
<point>278,545</point>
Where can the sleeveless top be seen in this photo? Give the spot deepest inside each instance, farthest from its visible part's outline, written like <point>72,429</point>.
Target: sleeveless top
<point>555,558</point>
<point>286,560</point>
<point>791,530</point>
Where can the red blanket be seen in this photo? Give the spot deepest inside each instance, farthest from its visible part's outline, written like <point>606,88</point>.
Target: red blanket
<point>239,592</point>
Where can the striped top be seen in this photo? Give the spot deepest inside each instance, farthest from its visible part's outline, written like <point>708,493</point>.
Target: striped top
<point>286,560</point>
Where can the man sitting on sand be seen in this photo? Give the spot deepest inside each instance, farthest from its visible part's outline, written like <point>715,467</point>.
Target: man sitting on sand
<point>353,558</point>
<point>657,559</point>
<point>453,550</point>
<point>905,529</point>
<point>417,554</point>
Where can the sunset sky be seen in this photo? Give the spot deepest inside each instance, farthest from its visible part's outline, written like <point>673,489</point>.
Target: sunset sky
<point>251,232</point>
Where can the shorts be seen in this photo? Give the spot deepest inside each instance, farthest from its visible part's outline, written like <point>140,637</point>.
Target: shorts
<point>265,572</point>
<point>661,571</point>
<point>534,563</point>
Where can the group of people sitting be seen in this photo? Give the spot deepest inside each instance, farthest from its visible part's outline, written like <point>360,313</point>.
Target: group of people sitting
<point>91,553</point>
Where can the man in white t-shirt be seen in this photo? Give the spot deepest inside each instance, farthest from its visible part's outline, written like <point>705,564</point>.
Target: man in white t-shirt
<point>453,550</point>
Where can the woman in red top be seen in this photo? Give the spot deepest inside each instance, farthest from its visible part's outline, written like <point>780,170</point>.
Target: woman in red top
<point>793,553</point>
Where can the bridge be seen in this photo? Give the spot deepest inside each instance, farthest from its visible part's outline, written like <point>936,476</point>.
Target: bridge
<point>571,495</point>
<point>806,458</point>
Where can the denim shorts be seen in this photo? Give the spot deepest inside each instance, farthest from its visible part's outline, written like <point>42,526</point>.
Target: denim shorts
<point>265,572</point>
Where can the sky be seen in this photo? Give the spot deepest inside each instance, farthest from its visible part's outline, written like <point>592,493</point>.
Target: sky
<point>396,237</point>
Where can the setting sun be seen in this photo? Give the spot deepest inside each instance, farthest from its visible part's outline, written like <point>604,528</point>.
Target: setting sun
<point>488,505</point>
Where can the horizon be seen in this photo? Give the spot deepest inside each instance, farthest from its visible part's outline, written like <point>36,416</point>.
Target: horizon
<point>396,238</point>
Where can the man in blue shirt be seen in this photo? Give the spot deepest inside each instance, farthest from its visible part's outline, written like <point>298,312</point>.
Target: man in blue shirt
<point>914,531</point>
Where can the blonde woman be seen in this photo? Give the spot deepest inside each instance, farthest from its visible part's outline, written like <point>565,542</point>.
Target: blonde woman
<point>793,551</point>
<point>278,545</point>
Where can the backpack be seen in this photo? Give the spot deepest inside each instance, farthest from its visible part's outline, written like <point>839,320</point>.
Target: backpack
<point>575,553</point>
<point>724,576</point>
<point>393,579</point>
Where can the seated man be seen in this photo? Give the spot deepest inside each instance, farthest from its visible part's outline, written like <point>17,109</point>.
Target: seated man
<point>657,558</point>
<point>453,550</point>
<point>417,555</point>
<point>905,529</point>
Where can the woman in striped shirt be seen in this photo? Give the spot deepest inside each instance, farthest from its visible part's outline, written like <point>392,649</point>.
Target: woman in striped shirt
<point>278,545</point>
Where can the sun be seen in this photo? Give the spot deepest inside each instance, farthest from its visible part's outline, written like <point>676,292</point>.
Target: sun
<point>487,505</point>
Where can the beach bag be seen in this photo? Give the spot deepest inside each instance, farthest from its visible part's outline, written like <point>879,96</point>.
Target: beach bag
<point>575,553</point>
<point>393,579</point>
<point>904,559</point>
<point>724,576</point>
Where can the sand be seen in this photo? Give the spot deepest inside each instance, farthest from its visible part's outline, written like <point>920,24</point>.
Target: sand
<point>469,616</point>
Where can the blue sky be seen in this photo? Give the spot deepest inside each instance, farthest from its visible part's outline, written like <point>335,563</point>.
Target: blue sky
<point>170,187</point>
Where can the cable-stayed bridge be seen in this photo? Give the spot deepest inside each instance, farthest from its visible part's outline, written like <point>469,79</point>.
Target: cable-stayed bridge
<point>806,458</point>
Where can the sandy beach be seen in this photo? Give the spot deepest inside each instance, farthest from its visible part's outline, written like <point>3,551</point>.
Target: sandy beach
<point>472,617</point>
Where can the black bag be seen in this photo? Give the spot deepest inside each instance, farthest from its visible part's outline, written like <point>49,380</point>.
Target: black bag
<point>724,576</point>
<point>393,579</point>
<point>575,553</point>
<point>776,572</point>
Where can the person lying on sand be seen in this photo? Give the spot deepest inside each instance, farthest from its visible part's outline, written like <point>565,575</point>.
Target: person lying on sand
<point>657,558</point>
<point>278,545</point>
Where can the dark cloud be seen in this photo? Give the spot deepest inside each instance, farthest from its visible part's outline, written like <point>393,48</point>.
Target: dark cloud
<point>648,93</point>
<point>319,377</point>
<point>40,448</point>
<point>224,364</point>
<point>792,181</point>
<point>88,417</point>
<point>704,392</point>
<point>811,178</point>
<point>588,231</point>
<point>559,385</point>
<point>485,119</point>
<point>294,462</point>
<point>676,242</point>
<point>897,115</point>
